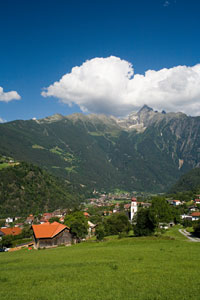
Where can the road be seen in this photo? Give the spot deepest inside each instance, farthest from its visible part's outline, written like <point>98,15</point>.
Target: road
<point>189,235</point>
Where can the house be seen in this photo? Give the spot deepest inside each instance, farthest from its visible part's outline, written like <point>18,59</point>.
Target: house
<point>187,217</point>
<point>192,208</point>
<point>11,230</point>
<point>176,202</point>
<point>91,229</point>
<point>46,217</point>
<point>62,219</point>
<point>107,213</point>
<point>195,215</point>
<point>51,235</point>
<point>127,207</point>
<point>9,220</point>
<point>166,225</point>
<point>197,201</point>
<point>29,220</point>
<point>19,225</point>
<point>57,213</point>
<point>86,214</point>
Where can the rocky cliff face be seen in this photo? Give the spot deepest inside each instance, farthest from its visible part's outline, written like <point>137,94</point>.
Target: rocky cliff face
<point>147,150</point>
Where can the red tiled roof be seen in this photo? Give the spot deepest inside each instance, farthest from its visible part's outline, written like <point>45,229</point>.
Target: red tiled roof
<point>86,214</point>
<point>11,230</point>
<point>133,199</point>
<point>31,218</point>
<point>48,230</point>
<point>195,214</point>
<point>126,206</point>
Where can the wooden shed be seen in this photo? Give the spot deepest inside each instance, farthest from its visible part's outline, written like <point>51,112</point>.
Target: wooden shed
<point>51,235</point>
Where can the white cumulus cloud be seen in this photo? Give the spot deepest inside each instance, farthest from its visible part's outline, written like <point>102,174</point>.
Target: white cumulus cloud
<point>6,97</point>
<point>109,85</point>
<point>2,120</point>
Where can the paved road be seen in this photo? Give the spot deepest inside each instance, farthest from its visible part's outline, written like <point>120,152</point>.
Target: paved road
<point>189,235</point>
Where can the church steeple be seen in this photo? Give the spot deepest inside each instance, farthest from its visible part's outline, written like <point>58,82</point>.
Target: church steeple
<point>134,207</point>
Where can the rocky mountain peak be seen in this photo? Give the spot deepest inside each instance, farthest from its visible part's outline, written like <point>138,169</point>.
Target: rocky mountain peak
<point>53,118</point>
<point>145,109</point>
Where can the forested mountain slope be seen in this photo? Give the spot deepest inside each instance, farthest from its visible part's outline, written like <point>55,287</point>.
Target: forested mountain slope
<point>147,150</point>
<point>25,189</point>
<point>188,182</point>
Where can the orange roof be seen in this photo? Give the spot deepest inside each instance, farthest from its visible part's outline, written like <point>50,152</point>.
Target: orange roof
<point>11,230</point>
<point>195,214</point>
<point>48,230</point>
<point>86,214</point>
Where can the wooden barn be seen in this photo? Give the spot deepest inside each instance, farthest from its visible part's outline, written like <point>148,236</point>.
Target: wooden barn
<point>51,235</point>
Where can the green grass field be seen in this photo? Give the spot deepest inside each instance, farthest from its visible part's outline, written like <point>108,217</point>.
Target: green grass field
<point>4,165</point>
<point>131,268</point>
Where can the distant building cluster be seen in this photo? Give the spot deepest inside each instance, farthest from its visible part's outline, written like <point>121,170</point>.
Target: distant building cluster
<point>49,230</point>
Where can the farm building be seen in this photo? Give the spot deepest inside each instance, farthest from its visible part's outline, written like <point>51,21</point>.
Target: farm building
<point>51,235</point>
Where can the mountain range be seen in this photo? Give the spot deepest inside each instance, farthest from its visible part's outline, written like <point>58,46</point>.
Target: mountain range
<point>146,151</point>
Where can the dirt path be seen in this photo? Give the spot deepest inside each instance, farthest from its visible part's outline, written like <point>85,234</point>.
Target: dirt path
<point>189,235</point>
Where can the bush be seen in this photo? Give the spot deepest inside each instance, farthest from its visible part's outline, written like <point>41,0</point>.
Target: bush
<point>100,232</point>
<point>187,223</point>
<point>196,228</point>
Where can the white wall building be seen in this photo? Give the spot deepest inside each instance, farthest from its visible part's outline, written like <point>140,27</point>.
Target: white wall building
<point>134,207</point>
<point>9,220</point>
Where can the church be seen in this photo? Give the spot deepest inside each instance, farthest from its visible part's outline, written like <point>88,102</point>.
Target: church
<point>134,207</point>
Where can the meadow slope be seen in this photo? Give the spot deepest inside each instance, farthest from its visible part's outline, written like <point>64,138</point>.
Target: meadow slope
<point>130,268</point>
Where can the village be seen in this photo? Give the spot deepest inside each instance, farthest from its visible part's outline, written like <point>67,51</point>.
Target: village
<point>49,229</point>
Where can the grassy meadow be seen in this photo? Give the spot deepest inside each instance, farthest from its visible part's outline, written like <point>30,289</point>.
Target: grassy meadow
<point>131,268</point>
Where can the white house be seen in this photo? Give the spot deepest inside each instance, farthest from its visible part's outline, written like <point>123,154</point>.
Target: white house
<point>197,201</point>
<point>176,202</point>
<point>91,228</point>
<point>195,216</point>
<point>186,217</point>
<point>9,220</point>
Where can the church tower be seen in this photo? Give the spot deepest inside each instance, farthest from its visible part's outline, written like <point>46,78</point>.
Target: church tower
<point>134,207</point>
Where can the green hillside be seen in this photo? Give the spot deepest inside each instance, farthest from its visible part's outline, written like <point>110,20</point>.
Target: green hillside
<point>150,268</point>
<point>188,182</point>
<point>25,189</point>
<point>103,153</point>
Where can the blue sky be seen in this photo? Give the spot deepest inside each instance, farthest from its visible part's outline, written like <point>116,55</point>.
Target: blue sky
<point>40,41</point>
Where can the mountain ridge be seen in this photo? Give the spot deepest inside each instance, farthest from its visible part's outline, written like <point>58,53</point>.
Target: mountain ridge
<point>146,151</point>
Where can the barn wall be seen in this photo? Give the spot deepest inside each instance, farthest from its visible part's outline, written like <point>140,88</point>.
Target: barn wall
<point>63,238</point>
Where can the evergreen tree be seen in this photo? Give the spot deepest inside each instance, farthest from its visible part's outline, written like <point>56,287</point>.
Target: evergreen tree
<point>145,222</point>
